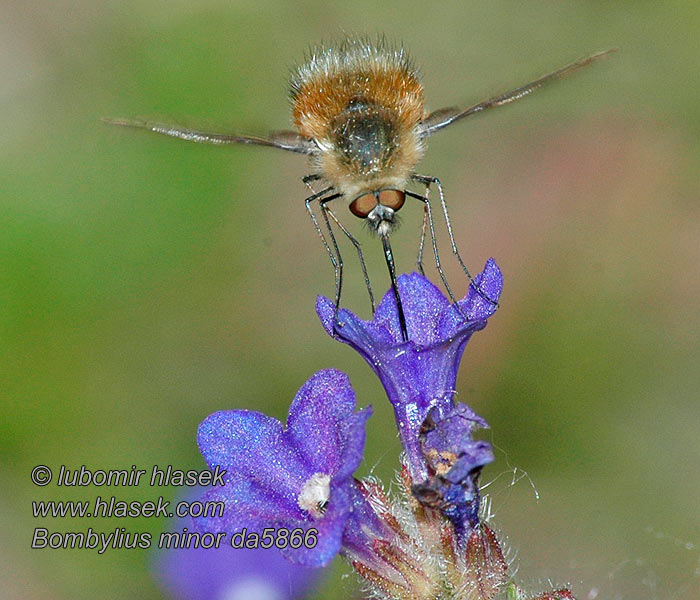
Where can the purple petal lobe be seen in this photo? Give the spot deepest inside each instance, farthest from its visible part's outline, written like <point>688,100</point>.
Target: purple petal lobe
<point>318,409</point>
<point>477,306</point>
<point>247,505</point>
<point>326,312</point>
<point>423,305</point>
<point>253,446</point>
<point>353,433</point>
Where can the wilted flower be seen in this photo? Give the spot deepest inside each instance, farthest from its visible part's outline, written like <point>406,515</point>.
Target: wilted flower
<point>454,461</point>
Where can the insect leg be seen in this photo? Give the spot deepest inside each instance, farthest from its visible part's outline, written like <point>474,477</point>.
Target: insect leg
<point>317,196</point>
<point>307,179</point>
<point>438,266</point>
<point>339,264</point>
<point>389,257</point>
<point>443,204</point>
<point>419,259</point>
<point>358,247</point>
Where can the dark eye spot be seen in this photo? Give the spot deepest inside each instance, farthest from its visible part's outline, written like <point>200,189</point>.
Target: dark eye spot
<point>362,206</point>
<point>393,199</point>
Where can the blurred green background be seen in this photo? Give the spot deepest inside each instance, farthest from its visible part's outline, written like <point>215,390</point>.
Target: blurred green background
<point>146,282</point>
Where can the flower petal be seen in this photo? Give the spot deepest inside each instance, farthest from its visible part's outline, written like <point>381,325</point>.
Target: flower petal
<point>249,511</point>
<point>247,505</point>
<point>423,304</point>
<point>328,540</point>
<point>474,305</point>
<point>455,460</point>
<point>250,445</point>
<point>317,411</point>
<point>353,433</point>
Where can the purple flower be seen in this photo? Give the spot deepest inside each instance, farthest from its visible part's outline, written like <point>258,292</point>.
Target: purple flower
<point>454,461</point>
<point>226,573</point>
<point>293,477</point>
<point>422,372</point>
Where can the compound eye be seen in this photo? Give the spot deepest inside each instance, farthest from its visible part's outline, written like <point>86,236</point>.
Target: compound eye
<point>362,206</point>
<point>392,199</point>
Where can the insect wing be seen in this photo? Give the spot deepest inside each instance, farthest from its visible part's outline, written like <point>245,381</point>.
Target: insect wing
<point>443,117</point>
<point>284,140</point>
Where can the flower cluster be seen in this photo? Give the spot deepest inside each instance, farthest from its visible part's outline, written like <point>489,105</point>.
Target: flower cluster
<point>427,544</point>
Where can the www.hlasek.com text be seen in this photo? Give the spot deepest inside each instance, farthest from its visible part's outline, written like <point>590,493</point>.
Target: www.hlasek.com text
<point>103,508</point>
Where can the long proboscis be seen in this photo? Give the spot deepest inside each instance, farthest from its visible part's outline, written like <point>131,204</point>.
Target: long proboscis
<point>389,257</point>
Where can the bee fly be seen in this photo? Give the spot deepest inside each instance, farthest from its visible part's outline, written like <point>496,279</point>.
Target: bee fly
<point>359,115</point>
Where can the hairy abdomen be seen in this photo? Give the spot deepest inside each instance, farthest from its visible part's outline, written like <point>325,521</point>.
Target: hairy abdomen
<point>362,104</point>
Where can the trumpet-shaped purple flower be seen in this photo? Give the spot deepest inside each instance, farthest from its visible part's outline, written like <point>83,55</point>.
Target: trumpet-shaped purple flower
<point>420,373</point>
<point>293,477</point>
